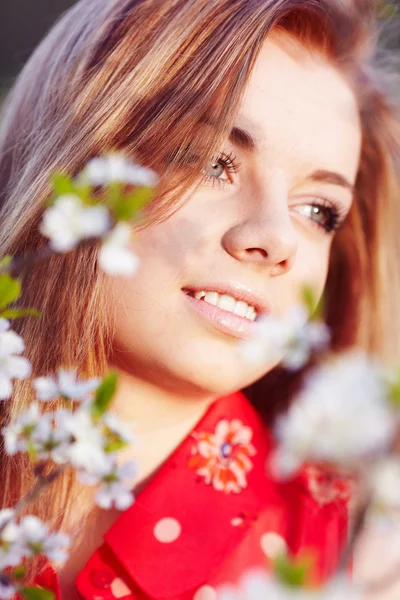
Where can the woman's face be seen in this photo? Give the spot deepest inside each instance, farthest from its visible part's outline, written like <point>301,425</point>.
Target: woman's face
<point>257,233</point>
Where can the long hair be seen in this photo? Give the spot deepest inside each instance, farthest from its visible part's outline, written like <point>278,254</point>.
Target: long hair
<point>140,76</point>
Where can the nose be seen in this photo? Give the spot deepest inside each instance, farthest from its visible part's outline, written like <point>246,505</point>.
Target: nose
<point>264,236</point>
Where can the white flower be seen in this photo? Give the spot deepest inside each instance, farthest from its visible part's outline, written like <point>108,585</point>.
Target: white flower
<point>69,221</point>
<point>384,479</point>
<point>49,436</point>
<point>257,584</point>
<point>35,538</point>
<point>116,427</point>
<point>115,256</point>
<point>7,589</point>
<point>29,537</point>
<point>47,388</point>
<point>341,588</point>
<point>115,493</point>
<point>10,553</point>
<point>341,416</point>
<point>11,366</point>
<point>115,168</point>
<point>290,339</point>
<point>18,434</point>
<point>86,450</point>
<point>111,476</point>
<point>6,515</point>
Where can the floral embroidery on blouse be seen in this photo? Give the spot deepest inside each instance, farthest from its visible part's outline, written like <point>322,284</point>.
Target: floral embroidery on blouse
<point>326,485</point>
<point>223,458</point>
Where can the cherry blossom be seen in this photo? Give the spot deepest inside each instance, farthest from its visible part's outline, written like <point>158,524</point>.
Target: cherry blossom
<point>290,339</point>
<point>69,221</point>
<point>341,416</point>
<point>86,450</point>
<point>115,168</point>
<point>10,554</point>
<point>42,434</point>
<point>11,365</point>
<point>65,384</point>
<point>19,432</point>
<point>258,584</point>
<point>115,256</point>
<point>35,538</point>
<point>384,480</point>
<point>7,589</point>
<point>115,427</point>
<point>113,492</point>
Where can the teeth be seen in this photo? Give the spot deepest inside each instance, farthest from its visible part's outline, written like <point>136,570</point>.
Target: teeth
<point>250,313</point>
<point>228,303</point>
<point>199,295</point>
<point>241,309</point>
<point>212,298</point>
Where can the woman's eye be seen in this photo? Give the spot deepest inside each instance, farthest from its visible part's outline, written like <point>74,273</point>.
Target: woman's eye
<point>323,214</point>
<point>217,167</point>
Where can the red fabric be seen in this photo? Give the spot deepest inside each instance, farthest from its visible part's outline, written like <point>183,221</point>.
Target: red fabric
<point>214,507</point>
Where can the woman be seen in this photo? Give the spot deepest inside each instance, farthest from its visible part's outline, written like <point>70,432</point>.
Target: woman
<point>275,104</point>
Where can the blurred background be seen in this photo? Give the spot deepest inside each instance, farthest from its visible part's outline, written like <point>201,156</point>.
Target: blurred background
<point>24,22</point>
<point>22,25</point>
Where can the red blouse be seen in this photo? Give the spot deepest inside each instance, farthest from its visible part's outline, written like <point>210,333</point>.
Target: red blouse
<point>210,513</point>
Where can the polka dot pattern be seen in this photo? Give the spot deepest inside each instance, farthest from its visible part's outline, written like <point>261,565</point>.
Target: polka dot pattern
<point>206,592</point>
<point>167,530</point>
<point>119,589</point>
<point>273,544</point>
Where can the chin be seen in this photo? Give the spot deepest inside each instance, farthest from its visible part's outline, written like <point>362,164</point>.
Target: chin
<point>222,378</point>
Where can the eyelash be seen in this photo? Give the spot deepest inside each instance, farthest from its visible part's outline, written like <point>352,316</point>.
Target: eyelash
<point>335,218</point>
<point>229,162</point>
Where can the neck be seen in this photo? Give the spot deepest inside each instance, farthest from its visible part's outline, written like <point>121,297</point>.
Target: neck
<point>159,418</point>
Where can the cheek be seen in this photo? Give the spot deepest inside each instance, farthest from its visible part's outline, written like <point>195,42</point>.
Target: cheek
<point>312,265</point>
<point>183,239</point>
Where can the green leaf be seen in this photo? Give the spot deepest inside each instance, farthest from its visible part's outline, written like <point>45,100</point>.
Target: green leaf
<point>115,445</point>
<point>113,194</point>
<point>18,573</point>
<point>293,572</point>
<point>392,380</point>
<point>130,205</point>
<point>36,593</point>
<point>10,290</point>
<point>5,262</point>
<point>104,395</point>
<point>394,395</point>
<point>386,10</point>
<point>84,191</point>
<point>314,307</point>
<point>14,313</point>
<point>62,184</point>
<point>31,450</point>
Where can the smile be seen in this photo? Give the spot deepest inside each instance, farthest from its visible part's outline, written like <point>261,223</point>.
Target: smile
<point>227,303</point>
<point>232,309</point>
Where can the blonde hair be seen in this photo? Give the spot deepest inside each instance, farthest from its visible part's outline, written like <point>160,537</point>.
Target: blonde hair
<point>140,76</point>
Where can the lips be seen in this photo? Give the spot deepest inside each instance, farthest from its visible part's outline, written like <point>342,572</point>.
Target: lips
<point>227,303</point>
<point>231,309</point>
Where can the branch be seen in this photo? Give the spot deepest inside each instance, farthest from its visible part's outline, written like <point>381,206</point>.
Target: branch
<point>42,482</point>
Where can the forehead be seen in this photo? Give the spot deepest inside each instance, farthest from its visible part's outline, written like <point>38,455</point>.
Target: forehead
<point>299,106</point>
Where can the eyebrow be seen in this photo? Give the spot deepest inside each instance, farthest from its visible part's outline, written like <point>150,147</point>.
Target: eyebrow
<point>244,140</point>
